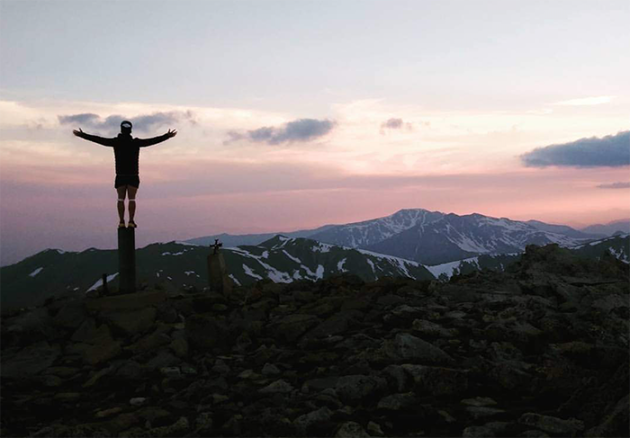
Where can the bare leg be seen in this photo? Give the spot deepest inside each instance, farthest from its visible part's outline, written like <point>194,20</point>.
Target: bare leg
<point>121,202</point>
<point>132,201</point>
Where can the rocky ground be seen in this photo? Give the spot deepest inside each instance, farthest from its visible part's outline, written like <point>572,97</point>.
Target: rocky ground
<point>541,350</point>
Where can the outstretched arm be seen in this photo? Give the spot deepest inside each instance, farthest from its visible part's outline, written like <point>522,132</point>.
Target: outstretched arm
<point>94,138</point>
<point>143,142</point>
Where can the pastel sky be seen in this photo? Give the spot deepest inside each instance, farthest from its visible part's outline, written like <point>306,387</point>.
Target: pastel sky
<point>295,114</point>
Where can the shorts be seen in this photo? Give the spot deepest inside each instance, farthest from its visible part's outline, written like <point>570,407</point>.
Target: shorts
<point>127,180</point>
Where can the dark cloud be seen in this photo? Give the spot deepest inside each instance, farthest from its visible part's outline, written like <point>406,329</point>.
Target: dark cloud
<point>609,151</point>
<point>143,123</point>
<point>398,124</point>
<point>615,185</point>
<point>85,119</point>
<point>393,124</point>
<point>301,130</point>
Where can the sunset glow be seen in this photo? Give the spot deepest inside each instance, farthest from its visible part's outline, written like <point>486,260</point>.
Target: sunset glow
<point>320,130</point>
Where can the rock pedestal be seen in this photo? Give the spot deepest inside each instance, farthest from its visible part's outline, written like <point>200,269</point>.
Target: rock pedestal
<point>127,259</point>
<point>218,279</point>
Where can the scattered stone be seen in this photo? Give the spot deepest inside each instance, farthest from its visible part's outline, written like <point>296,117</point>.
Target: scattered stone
<point>478,401</point>
<point>108,412</point>
<point>374,429</point>
<point>478,432</point>
<point>420,362</point>
<point>30,361</point>
<point>171,371</point>
<point>436,380</point>
<point>180,348</point>
<point>303,422</point>
<point>137,401</point>
<point>131,322</point>
<point>176,429</point>
<point>270,370</point>
<point>398,402</point>
<point>354,388</point>
<point>221,367</point>
<point>552,424</point>
<point>533,433</point>
<point>279,386</point>
<point>407,346</point>
<point>351,429</point>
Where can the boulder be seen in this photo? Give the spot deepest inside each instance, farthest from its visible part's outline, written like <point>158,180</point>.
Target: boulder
<point>291,327</point>
<point>30,361</point>
<point>138,300</point>
<point>406,346</point>
<point>131,322</point>
<point>553,425</point>
<point>437,381</point>
<point>354,388</point>
<point>351,429</point>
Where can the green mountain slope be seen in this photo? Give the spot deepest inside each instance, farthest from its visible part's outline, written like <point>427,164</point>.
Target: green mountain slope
<point>177,265</point>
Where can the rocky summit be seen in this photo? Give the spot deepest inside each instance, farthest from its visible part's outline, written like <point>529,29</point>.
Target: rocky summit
<point>540,350</point>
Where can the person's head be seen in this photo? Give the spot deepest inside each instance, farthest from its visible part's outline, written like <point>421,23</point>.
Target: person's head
<point>125,127</point>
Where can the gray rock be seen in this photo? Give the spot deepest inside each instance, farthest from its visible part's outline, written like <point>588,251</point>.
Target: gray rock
<point>613,421</point>
<point>319,384</point>
<point>130,370</point>
<point>398,402</point>
<point>478,401</point>
<point>70,316</point>
<point>32,321</point>
<point>204,422</point>
<point>270,370</point>
<point>429,328</point>
<point>350,429</point>
<point>221,367</point>
<point>478,432</point>
<point>374,429</point>
<point>162,359</point>
<point>30,361</point>
<point>533,433</point>
<point>279,386</point>
<point>137,401</point>
<point>176,429</point>
<point>353,388</point>
<point>397,376</point>
<point>293,326</point>
<point>171,371</point>
<point>180,347</point>
<point>303,422</point>
<point>552,424</point>
<point>478,412</point>
<point>131,322</point>
<point>406,346</point>
<point>437,380</point>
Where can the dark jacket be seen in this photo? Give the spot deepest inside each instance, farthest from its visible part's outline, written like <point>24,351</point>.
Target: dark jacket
<point>126,150</point>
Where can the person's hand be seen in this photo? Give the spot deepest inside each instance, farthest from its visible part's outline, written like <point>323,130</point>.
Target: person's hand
<point>78,133</point>
<point>171,133</point>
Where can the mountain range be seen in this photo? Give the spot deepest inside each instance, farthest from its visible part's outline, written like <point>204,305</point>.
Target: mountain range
<point>178,266</point>
<point>430,237</point>
<point>413,243</point>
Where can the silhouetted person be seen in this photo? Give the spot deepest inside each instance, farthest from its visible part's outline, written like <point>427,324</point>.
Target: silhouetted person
<point>126,153</point>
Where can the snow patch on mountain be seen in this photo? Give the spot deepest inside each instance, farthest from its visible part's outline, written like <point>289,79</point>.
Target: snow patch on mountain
<point>448,268</point>
<point>35,272</point>
<point>340,265</point>
<point>295,259</point>
<point>322,247</point>
<point>99,282</point>
<point>248,271</point>
<point>371,263</point>
<point>620,255</point>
